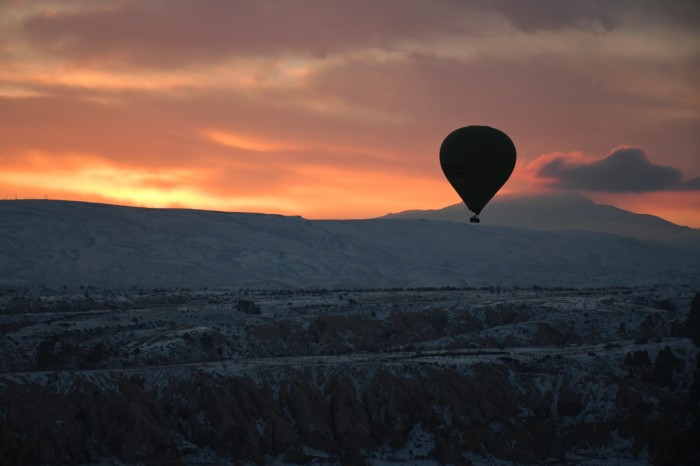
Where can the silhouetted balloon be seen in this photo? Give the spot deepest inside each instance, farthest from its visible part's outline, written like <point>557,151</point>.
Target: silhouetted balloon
<point>477,161</point>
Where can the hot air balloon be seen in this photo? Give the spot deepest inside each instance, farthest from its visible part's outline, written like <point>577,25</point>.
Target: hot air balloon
<point>477,161</point>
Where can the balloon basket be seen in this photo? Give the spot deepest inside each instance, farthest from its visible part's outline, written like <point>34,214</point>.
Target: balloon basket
<point>474,219</point>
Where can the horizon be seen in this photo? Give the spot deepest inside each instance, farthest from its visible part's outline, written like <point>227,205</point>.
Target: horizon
<point>338,111</point>
<point>467,213</point>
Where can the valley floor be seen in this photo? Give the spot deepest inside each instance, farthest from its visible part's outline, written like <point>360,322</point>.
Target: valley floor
<point>421,376</point>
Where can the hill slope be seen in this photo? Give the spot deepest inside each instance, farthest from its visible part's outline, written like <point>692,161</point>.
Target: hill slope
<point>56,242</point>
<point>565,211</point>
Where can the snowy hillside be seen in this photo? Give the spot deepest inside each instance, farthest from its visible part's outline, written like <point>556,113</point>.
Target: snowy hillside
<point>56,243</point>
<point>565,211</point>
<point>606,376</point>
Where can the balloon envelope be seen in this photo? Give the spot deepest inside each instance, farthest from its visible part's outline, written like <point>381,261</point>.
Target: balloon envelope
<point>477,161</point>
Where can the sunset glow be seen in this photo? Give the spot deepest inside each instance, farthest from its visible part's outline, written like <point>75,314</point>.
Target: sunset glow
<point>328,110</point>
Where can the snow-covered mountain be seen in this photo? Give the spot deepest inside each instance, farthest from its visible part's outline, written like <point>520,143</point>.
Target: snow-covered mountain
<point>565,211</point>
<point>59,242</point>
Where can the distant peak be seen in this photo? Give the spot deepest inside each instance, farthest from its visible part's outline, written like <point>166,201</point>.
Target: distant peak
<point>558,197</point>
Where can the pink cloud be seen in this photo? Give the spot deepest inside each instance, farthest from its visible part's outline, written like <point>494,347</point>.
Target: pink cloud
<point>624,169</point>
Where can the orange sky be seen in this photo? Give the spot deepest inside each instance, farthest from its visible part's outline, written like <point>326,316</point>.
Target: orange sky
<point>337,109</point>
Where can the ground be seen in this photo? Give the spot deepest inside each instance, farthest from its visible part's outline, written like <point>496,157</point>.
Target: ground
<point>427,376</point>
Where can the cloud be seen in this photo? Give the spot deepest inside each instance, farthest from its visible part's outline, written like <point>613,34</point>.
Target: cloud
<point>262,99</point>
<point>538,15</point>
<point>170,33</point>
<point>535,15</point>
<point>692,184</point>
<point>176,32</point>
<point>624,170</point>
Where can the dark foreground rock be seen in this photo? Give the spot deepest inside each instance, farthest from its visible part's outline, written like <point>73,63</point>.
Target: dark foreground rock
<point>523,413</point>
<point>350,377</point>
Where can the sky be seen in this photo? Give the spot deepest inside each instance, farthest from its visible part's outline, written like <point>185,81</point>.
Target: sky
<point>337,109</point>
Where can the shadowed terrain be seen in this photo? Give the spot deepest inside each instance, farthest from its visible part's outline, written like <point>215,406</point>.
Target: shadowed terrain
<point>427,376</point>
<point>71,243</point>
<point>133,335</point>
<point>566,211</point>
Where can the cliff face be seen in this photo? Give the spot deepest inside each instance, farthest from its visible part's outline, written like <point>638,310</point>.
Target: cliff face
<point>441,377</point>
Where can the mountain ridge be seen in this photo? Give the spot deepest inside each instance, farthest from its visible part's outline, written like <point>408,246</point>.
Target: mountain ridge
<point>60,242</point>
<point>564,211</point>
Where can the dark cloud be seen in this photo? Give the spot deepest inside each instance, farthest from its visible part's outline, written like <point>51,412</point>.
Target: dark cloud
<point>533,15</point>
<point>692,184</point>
<point>173,32</point>
<point>626,169</point>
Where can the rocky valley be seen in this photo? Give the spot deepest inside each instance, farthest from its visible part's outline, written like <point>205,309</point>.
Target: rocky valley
<point>386,376</point>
